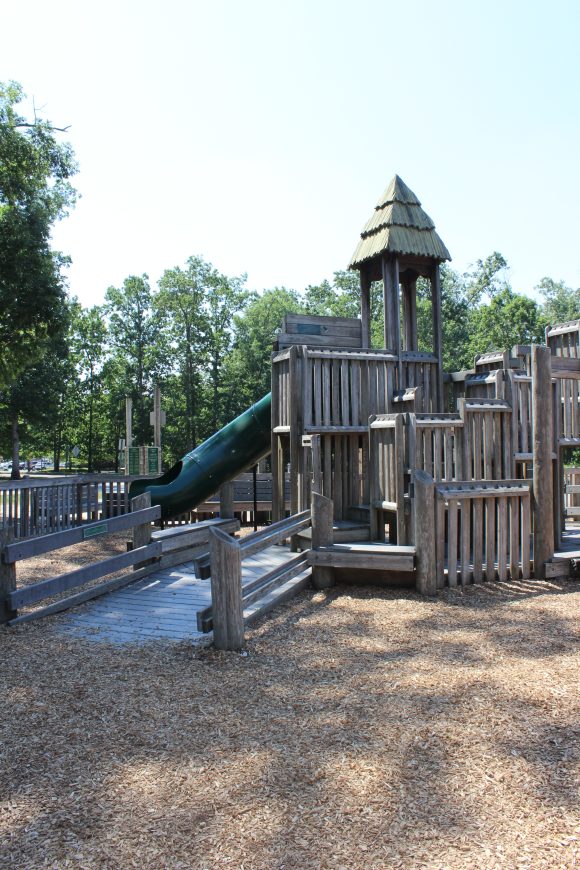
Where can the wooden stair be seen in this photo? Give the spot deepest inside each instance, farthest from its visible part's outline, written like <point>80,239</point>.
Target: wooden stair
<point>373,556</point>
<point>343,532</point>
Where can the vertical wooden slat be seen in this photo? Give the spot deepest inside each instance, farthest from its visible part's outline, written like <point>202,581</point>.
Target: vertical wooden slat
<point>490,539</point>
<point>478,540</point>
<point>465,541</point>
<point>526,531</point>
<point>452,509</point>
<point>502,538</point>
<point>344,393</point>
<point>355,392</point>
<point>440,539</point>
<point>514,548</point>
<point>426,577</point>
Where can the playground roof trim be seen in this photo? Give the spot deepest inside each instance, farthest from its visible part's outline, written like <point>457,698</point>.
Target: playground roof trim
<point>399,225</point>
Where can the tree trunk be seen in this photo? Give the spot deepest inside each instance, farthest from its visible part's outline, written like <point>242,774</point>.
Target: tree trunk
<point>15,474</point>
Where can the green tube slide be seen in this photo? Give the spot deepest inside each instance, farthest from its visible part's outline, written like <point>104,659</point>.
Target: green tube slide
<point>224,455</point>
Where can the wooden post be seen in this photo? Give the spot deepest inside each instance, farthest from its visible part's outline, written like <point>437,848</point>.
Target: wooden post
<point>7,578</point>
<point>322,536</point>
<point>365,308</point>
<point>128,422</point>
<point>426,578</point>
<point>226,591</point>
<point>142,533</point>
<point>542,444</point>
<point>437,333</point>
<point>227,500</point>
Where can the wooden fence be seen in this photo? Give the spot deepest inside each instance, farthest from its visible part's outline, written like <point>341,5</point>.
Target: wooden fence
<point>229,599</point>
<point>33,507</point>
<point>151,550</point>
<point>482,531</point>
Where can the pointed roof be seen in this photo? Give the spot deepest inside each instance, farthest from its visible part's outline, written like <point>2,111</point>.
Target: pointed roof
<point>398,225</point>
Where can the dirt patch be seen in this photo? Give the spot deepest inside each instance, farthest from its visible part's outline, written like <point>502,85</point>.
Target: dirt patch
<point>363,728</point>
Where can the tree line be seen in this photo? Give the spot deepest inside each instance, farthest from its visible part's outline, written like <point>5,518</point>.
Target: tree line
<point>202,335</point>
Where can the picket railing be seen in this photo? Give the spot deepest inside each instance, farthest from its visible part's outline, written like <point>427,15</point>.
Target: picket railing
<point>34,507</point>
<point>487,529</point>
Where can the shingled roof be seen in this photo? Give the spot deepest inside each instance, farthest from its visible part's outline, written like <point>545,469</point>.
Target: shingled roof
<point>399,225</point>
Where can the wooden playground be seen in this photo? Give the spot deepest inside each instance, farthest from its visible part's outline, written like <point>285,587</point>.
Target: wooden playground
<point>399,472</point>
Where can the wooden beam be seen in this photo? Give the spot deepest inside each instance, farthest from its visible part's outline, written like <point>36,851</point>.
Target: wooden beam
<point>322,522</point>
<point>226,591</point>
<point>542,437</point>
<point>365,308</point>
<point>426,583</point>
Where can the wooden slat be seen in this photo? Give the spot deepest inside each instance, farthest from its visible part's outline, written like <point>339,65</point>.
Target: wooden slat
<point>86,595</point>
<point>57,540</point>
<point>54,585</point>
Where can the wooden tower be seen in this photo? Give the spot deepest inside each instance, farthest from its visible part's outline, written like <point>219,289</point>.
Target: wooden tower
<point>398,245</point>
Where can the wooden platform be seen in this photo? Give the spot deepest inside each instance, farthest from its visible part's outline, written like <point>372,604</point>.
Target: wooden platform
<point>164,606</point>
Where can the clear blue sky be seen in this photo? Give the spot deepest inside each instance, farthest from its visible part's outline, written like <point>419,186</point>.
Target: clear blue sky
<point>259,134</point>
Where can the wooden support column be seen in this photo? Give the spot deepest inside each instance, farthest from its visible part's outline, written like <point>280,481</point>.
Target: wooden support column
<point>426,582</point>
<point>322,536</point>
<point>7,578</point>
<point>142,533</point>
<point>437,332</point>
<point>227,500</point>
<point>277,455</point>
<point>365,307</point>
<point>410,313</point>
<point>542,445</point>
<point>295,428</point>
<point>391,304</point>
<point>226,591</point>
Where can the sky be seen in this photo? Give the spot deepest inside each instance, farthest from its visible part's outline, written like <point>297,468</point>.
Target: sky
<point>260,134</point>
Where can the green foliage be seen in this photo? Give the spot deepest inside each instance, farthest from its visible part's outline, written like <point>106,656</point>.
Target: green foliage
<point>561,303</point>
<point>508,319</point>
<point>34,193</point>
<point>247,368</point>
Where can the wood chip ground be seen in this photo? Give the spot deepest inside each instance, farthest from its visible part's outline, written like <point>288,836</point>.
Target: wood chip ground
<point>361,728</point>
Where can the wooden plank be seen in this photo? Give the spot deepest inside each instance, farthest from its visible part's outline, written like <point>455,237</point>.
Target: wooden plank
<point>465,544</point>
<point>226,591</point>
<point>274,534</point>
<point>514,547</point>
<point>344,393</point>
<point>54,585</point>
<point>490,539</point>
<point>322,536</point>
<point>334,341</point>
<point>335,558</point>
<point>452,511</point>
<point>502,539</point>
<point>440,540</point>
<point>426,578</point>
<point>192,534</point>
<point>57,540</point>
<point>542,461</point>
<point>88,594</point>
<point>478,541</point>
<point>7,579</point>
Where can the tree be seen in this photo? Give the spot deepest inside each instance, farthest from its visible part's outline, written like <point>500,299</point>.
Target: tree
<point>134,335</point>
<point>89,349</point>
<point>508,319</point>
<point>35,191</point>
<point>248,368</point>
<point>561,303</point>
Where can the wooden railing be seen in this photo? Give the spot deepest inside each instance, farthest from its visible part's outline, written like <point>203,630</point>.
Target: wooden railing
<point>229,599</point>
<point>421,370</point>
<point>487,528</point>
<point>143,557</point>
<point>33,506</point>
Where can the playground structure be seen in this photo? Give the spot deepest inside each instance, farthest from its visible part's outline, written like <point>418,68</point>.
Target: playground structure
<point>399,472</point>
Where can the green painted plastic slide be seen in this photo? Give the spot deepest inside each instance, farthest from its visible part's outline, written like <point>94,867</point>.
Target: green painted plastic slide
<point>222,457</point>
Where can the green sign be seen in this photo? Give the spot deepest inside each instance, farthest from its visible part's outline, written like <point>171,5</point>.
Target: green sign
<point>93,531</point>
<point>133,460</point>
<point>153,460</point>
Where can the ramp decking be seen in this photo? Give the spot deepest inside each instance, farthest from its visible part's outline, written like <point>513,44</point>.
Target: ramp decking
<point>165,605</point>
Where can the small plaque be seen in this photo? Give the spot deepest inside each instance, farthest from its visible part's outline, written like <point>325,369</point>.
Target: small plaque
<point>93,531</point>
<point>308,329</point>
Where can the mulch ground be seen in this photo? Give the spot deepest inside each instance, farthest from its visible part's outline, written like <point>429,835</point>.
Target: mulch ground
<point>360,728</point>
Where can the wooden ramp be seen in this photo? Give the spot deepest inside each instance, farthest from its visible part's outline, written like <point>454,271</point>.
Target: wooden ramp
<point>164,606</point>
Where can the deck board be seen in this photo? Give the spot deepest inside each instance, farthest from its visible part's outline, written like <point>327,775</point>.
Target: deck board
<point>161,606</point>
